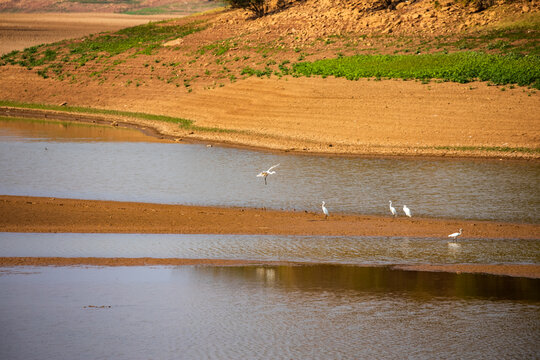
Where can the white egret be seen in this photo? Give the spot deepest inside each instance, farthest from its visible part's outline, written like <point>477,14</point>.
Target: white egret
<point>455,235</point>
<point>264,174</point>
<point>324,210</point>
<point>407,211</point>
<point>392,209</point>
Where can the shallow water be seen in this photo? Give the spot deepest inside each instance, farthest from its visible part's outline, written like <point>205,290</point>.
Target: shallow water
<point>320,249</point>
<point>248,312</point>
<point>337,312</point>
<point>14,129</point>
<point>63,162</point>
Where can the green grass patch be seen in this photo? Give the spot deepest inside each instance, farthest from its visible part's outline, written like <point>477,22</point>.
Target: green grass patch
<point>259,73</point>
<point>151,11</point>
<point>142,39</point>
<point>29,57</point>
<point>505,149</point>
<point>459,67</point>
<point>183,123</point>
<point>217,49</point>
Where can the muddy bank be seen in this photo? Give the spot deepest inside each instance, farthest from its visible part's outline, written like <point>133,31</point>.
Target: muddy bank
<point>89,261</point>
<point>440,120</point>
<point>172,132</point>
<point>41,214</point>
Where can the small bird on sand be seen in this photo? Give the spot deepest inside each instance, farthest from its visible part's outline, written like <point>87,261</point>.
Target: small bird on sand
<point>392,209</point>
<point>324,210</point>
<point>264,174</point>
<point>407,211</point>
<point>455,235</point>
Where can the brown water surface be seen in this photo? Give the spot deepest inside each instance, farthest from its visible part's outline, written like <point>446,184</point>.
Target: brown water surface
<point>51,130</point>
<point>67,162</point>
<point>320,311</point>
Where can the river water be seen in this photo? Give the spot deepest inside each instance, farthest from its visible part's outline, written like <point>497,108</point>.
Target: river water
<point>274,312</point>
<point>359,250</point>
<point>64,161</point>
<point>349,305</point>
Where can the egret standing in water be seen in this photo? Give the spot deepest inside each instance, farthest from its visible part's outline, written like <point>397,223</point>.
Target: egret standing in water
<point>324,210</point>
<point>392,209</point>
<point>264,174</point>
<point>455,235</point>
<point>407,211</point>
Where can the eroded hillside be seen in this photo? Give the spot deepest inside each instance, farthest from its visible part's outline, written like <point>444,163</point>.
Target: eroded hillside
<point>263,82</point>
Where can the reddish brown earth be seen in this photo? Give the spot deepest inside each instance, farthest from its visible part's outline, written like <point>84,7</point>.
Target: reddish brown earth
<point>418,120</point>
<point>35,214</point>
<point>38,214</point>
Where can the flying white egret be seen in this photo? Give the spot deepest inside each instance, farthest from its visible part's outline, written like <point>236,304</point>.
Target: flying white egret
<point>392,209</point>
<point>324,210</point>
<point>407,211</point>
<point>455,235</point>
<point>264,174</point>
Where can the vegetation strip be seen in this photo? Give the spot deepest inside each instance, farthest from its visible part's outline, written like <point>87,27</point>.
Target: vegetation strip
<point>142,38</point>
<point>459,67</point>
<point>524,150</point>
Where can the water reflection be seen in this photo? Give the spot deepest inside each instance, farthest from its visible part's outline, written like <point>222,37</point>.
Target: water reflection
<point>15,129</point>
<point>320,249</point>
<point>195,174</point>
<point>270,312</point>
<point>383,280</point>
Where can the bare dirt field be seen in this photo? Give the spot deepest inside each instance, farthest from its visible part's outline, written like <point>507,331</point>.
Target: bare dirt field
<point>333,116</point>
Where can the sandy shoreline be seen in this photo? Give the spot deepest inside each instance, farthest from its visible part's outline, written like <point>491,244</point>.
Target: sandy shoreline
<point>43,214</point>
<point>317,127</point>
<point>162,131</point>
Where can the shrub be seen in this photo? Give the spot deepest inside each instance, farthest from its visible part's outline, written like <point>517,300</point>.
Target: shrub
<point>258,7</point>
